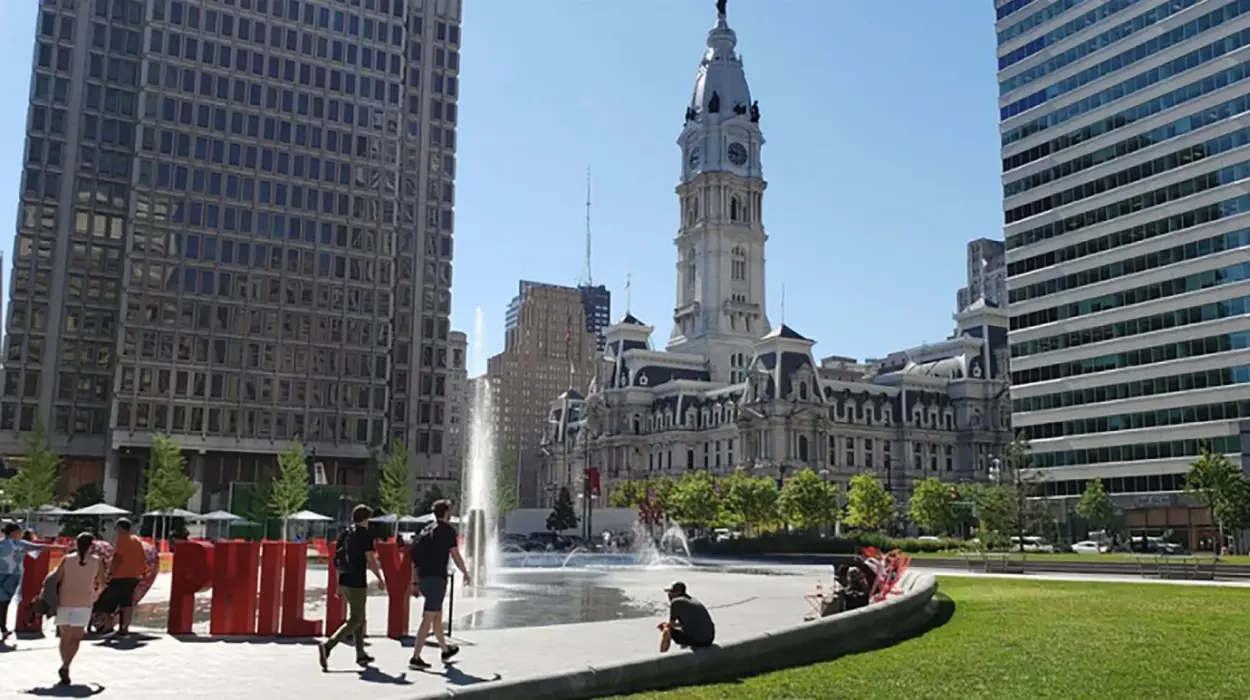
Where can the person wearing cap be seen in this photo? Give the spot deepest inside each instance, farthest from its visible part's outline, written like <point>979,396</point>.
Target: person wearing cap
<point>689,623</point>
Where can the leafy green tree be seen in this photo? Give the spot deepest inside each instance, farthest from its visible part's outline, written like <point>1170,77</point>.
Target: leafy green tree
<point>1095,505</point>
<point>288,493</point>
<point>507,498</point>
<point>807,501</point>
<point>395,487</point>
<point>996,508</point>
<point>1215,482</point>
<point>432,495</point>
<point>694,501</point>
<point>38,471</point>
<point>562,516</point>
<point>932,506</point>
<point>627,494</point>
<point>749,501</point>
<point>663,489</point>
<point>168,485</point>
<point>869,506</point>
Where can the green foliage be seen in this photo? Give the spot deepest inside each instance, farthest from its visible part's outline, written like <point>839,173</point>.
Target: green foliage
<point>395,489</point>
<point>694,501</point>
<point>288,492</point>
<point>628,494</point>
<point>868,505</point>
<point>808,542</point>
<point>168,485</point>
<point>749,501</point>
<point>807,501</point>
<point>1095,506</point>
<point>38,471</point>
<point>932,506</point>
<point>562,516</point>
<point>997,512</point>
<point>507,498</point>
<point>1222,487</point>
<point>432,495</point>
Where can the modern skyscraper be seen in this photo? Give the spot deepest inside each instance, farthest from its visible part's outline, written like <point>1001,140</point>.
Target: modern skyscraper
<point>236,228</point>
<point>596,303</point>
<point>1125,169</point>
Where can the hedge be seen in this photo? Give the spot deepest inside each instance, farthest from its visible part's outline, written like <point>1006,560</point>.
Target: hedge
<point>800,543</point>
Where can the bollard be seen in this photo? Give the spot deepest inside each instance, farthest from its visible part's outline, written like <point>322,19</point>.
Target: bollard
<point>451,600</point>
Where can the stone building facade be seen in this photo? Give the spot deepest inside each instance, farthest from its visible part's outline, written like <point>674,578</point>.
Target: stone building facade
<point>732,391</point>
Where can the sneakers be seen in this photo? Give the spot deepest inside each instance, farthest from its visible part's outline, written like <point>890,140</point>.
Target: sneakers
<point>363,659</point>
<point>449,652</point>
<point>416,663</point>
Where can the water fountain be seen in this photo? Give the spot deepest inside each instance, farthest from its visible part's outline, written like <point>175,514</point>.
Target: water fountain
<point>479,482</point>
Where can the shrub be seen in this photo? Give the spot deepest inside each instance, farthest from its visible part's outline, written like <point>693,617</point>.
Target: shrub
<point>805,543</point>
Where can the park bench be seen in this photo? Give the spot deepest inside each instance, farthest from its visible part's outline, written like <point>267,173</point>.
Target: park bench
<point>995,562</point>
<point>1177,566</point>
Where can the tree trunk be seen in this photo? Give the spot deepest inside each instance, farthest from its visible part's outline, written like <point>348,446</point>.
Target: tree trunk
<point>1219,545</point>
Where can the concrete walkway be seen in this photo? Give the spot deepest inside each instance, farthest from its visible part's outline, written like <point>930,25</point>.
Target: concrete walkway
<point>160,666</point>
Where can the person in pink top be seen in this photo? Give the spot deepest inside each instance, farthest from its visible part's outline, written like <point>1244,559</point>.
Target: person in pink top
<point>80,579</point>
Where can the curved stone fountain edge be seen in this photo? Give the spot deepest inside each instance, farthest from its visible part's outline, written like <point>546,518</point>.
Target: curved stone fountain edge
<point>827,638</point>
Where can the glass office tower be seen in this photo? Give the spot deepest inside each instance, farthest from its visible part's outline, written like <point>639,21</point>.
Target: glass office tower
<point>1126,183</point>
<point>235,228</point>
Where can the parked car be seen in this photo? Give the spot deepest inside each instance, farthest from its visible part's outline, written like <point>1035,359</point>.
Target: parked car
<point>1034,544</point>
<point>1090,547</point>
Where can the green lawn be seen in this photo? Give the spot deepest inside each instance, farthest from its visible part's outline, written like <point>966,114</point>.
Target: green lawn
<point>1009,639</point>
<point>1111,557</point>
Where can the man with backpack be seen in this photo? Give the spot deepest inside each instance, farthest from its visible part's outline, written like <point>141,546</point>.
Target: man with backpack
<point>354,552</point>
<point>429,555</point>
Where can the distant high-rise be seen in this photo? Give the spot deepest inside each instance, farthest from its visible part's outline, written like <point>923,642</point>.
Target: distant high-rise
<point>987,274</point>
<point>235,228</point>
<point>597,304</point>
<point>547,351</point>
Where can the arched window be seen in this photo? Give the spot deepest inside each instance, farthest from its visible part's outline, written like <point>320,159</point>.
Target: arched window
<point>735,209</point>
<point>803,448</point>
<point>690,268</point>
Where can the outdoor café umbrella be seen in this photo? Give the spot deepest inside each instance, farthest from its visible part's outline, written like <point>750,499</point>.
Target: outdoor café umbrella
<point>100,511</point>
<point>224,519</point>
<point>165,513</point>
<point>304,516</point>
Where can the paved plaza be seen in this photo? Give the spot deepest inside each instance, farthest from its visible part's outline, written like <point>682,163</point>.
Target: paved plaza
<point>159,666</point>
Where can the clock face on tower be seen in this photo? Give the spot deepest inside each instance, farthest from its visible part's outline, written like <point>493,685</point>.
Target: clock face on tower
<point>737,154</point>
<point>694,157</point>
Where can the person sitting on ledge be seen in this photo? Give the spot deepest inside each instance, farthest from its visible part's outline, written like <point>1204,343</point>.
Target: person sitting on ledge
<point>689,623</point>
<point>855,594</point>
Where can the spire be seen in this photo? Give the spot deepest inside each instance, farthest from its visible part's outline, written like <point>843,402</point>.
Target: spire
<point>588,278</point>
<point>720,90</point>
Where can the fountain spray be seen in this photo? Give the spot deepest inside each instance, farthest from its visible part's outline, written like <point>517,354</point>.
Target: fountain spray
<point>478,497</point>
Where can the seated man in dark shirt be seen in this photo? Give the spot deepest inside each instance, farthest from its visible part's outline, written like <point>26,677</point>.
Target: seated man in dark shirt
<point>689,623</point>
<point>856,593</point>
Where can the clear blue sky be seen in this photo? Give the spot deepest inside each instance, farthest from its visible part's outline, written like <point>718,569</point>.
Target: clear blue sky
<point>882,153</point>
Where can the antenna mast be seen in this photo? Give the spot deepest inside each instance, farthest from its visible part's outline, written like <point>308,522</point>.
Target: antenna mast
<point>588,277</point>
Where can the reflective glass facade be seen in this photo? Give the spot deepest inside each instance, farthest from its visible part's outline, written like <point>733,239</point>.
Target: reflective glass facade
<point>236,228</point>
<point>1125,166</point>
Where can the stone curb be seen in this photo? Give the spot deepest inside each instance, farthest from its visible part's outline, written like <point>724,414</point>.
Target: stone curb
<point>800,644</point>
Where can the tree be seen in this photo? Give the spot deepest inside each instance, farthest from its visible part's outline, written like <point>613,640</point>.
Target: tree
<point>694,501</point>
<point>83,496</point>
<point>395,490</point>
<point>507,499</point>
<point>749,501</point>
<point>432,495</point>
<point>562,516</point>
<point>1215,482</point>
<point>627,494</point>
<point>288,493</point>
<point>807,501</point>
<point>868,505</point>
<point>38,471</point>
<point>168,485</point>
<point>932,506</point>
<point>996,514</point>
<point>1095,506</point>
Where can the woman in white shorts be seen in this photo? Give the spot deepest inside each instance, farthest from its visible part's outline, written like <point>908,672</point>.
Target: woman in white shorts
<point>80,579</point>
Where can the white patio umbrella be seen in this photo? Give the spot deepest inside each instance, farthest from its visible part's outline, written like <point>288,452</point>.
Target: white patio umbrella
<point>165,514</point>
<point>304,516</point>
<point>100,511</point>
<point>223,520</point>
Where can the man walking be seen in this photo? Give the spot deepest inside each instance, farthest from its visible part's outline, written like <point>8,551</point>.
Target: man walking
<point>129,566</point>
<point>689,623</point>
<point>430,553</point>
<point>354,553</point>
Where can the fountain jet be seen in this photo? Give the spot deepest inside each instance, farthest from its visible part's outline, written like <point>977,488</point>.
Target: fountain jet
<point>478,497</point>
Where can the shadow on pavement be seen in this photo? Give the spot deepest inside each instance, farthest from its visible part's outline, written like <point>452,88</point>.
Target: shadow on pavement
<point>373,675</point>
<point>78,690</point>
<point>455,676</point>
<point>128,643</point>
<point>208,639</point>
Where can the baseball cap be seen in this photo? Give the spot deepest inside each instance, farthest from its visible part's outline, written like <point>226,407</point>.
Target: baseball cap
<point>676,587</point>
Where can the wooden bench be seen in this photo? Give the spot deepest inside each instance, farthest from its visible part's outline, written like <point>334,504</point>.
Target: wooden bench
<point>1177,566</point>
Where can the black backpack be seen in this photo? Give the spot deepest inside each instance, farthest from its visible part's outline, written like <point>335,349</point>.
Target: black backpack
<point>340,550</point>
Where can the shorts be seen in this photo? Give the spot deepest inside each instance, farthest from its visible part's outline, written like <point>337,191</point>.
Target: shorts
<point>73,617</point>
<point>682,639</point>
<point>434,589</point>
<point>120,593</point>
